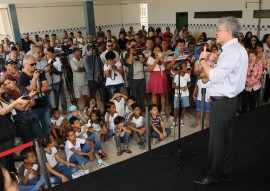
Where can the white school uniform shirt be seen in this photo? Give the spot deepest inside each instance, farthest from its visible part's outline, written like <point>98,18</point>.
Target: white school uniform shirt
<point>51,157</point>
<point>111,120</point>
<point>183,82</point>
<point>69,146</point>
<point>228,78</point>
<point>94,126</point>
<point>57,122</point>
<point>120,106</point>
<point>31,176</point>
<point>84,136</point>
<point>201,85</point>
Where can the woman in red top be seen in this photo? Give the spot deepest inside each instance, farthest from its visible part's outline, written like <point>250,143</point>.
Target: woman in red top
<point>251,92</point>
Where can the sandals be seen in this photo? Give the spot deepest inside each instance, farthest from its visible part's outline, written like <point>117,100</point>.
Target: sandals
<point>194,124</point>
<point>127,151</point>
<point>163,115</point>
<point>119,153</point>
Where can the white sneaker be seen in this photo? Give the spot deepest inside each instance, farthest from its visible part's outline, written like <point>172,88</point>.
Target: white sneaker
<point>77,174</point>
<point>173,125</point>
<point>155,140</point>
<point>182,123</point>
<point>103,164</point>
<point>86,172</point>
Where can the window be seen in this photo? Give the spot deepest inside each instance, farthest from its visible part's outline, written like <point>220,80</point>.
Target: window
<point>264,14</point>
<point>144,15</point>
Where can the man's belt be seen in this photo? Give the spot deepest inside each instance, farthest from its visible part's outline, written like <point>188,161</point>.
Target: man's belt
<point>218,98</point>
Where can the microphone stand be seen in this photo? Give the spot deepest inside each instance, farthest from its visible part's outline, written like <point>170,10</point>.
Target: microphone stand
<point>179,150</point>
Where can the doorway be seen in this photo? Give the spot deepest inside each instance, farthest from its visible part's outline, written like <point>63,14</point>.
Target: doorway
<point>181,19</point>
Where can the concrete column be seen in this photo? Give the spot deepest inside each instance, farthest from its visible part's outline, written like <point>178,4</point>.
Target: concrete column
<point>89,17</point>
<point>14,22</point>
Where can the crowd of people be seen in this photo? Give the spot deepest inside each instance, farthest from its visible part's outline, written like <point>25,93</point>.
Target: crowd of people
<point>129,71</point>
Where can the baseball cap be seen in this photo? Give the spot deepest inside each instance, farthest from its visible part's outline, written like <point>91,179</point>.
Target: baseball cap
<point>72,108</point>
<point>9,61</point>
<point>75,49</point>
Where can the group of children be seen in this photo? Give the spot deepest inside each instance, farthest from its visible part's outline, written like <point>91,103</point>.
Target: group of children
<point>82,135</point>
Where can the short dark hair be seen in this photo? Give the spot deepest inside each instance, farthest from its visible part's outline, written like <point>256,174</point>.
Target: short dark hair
<point>79,32</point>
<point>67,131</point>
<point>131,98</point>
<point>54,110</point>
<point>180,41</point>
<point>45,141</point>
<point>118,119</point>
<point>24,153</point>
<point>110,55</point>
<point>72,120</point>
<point>134,105</point>
<point>151,106</point>
<point>50,49</point>
<point>109,105</point>
<point>46,35</point>
<point>252,51</point>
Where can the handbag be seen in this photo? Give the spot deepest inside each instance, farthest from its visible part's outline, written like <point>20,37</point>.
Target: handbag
<point>7,127</point>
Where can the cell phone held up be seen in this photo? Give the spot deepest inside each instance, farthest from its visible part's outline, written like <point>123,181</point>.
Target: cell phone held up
<point>26,98</point>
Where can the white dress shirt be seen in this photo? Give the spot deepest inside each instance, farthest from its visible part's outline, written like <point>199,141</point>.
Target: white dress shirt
<point>228,78</point>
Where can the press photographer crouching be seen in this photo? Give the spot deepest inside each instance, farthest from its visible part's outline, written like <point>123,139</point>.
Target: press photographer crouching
<point>34,80</point>
<point>57,80</point>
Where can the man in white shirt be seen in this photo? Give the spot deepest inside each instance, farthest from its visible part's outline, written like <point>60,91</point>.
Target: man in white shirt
<point>227,80</point>
<point>109,46</point>
<point>80,82</point>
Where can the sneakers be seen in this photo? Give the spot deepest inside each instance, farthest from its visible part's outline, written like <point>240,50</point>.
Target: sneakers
<point>173,125</point>
<point>142,145</point>
<point>86,172</point>
<point>102,154</point>
<point>103,164</point>
<point>182,123</point>
<point>155,140</point>
<point>77,174</point>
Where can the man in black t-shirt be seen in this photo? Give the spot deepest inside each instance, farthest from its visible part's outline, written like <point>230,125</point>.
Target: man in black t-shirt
<point>36,81</point>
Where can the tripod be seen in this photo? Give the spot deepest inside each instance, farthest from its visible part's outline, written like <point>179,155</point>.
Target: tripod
<point>179,150</point>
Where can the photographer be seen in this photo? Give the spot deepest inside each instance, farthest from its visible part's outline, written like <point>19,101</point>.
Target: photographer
<point>43,67</point>
<point>93,68</point>
<point>34,80</point>
<point>136,79</point>
<point>113,71</point>
<point>57,81</point>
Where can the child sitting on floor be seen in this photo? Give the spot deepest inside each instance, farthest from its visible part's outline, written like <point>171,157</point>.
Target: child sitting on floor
<point>136,123</point>
<point>119,100</point>
<point>60,170</point>
<point>110,115</point>
<point>130,101</point>
<point>159,131</point>
<point>74,112</point>
<point>29,171</point>
<point>75,153</point>
<point>122,135</point>
<point>82,132</point>
<point>59,124</point>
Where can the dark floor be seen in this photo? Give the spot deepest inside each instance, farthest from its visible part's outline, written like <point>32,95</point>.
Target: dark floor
<point>145,172</point>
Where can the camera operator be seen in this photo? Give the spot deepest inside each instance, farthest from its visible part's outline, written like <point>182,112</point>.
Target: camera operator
<point>136,79</point>
<point>89,41</point>
<point>33,80</point>
<point>43,66</point>
<point>57,81</point>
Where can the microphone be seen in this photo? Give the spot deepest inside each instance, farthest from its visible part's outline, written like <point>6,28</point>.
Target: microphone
<point>201,43</point>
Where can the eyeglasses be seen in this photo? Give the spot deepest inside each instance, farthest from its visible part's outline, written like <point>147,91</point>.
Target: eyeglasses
<point>14,177</point>
<point>33,64</point>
